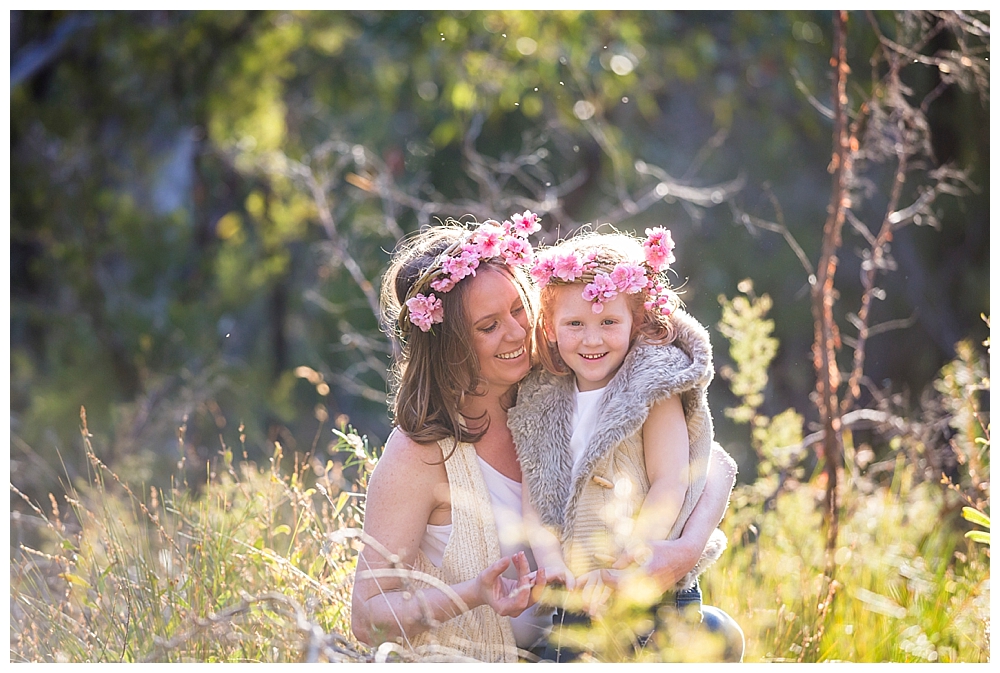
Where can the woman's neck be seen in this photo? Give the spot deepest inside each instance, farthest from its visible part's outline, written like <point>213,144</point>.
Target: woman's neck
<point>490,403</point>
<point>496,447</point>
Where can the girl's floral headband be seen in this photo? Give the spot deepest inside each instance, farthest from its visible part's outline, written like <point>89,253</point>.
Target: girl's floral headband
<point>557,266</point>
<point>490,240</point>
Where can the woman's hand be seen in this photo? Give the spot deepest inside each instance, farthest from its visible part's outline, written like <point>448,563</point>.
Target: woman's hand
<point>509,597</point>
<point>670,560</point>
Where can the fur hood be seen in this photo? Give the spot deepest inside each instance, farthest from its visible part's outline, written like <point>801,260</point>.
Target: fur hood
<point>541,421</point>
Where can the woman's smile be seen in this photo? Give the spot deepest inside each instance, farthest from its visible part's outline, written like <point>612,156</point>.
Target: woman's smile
<point>511,355</point>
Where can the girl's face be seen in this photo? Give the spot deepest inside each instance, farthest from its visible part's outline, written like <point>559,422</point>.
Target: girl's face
<point>593,345</point>
<point>500,328</point>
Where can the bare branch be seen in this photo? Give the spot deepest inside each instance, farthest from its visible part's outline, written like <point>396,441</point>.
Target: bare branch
<point>750,221</point>
<point>801,86</point>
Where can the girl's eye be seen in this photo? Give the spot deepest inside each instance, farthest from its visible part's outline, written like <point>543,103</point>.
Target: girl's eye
<point>492,326</point>
<point>609,321</point>
<point>518,310</point>
<point>575,323</point>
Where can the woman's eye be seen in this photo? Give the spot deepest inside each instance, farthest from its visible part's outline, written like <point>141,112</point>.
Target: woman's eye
<point>517,310</point>
<point>492,326</point>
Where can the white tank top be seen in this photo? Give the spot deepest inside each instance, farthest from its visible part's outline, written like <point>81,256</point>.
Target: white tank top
<point>584,423</point>
<point>505,498</point>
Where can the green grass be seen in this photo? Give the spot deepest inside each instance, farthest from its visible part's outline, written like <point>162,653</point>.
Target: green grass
<point>258,567</point>
<point>246,571</point>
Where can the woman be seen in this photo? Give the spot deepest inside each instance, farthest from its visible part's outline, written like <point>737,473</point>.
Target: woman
<point>463,309</point>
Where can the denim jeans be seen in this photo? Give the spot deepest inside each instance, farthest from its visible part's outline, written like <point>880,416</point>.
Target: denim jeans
<point>687,604</point>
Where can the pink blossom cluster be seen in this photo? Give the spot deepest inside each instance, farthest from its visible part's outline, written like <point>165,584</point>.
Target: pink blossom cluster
<point>425,311</point>
<point>555,263</point>
<point>659,249</point>
<point>661,299</point>
<point>626,277</point>
<point>507,241</point>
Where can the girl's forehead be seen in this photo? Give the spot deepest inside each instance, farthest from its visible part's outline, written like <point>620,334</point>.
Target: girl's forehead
<point>568,300</point>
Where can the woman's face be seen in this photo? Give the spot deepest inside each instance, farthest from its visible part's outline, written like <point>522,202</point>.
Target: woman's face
<point>500,328</point>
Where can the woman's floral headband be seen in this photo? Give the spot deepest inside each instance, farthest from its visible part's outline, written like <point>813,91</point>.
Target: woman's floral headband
<point>490,240</point>
<point>557,266</point>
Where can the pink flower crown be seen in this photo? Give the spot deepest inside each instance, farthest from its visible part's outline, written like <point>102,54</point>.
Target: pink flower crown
<point>490,240</point>
<point>562,267</point>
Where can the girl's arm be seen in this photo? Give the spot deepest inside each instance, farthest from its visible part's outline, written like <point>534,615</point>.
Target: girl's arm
<point>666,451</point>
<point>407,485</point>
<point>544,544</point>
<point>670,560</point>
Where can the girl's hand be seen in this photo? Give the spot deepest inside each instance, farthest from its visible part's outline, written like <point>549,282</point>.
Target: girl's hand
<point>509,597</point>
<point>560,574</point>
<point>595,591</point>
<point>635,555</point>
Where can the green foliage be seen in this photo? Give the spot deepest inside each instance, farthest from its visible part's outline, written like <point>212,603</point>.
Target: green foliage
<point>980,519</point>
<point>908,588</point>
<point>171,266</point>
<point>751,347</point>
<point>911,590</point>
<point>778,440</point>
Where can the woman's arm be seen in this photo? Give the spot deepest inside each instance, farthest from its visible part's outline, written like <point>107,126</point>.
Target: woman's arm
<point>409,484</point>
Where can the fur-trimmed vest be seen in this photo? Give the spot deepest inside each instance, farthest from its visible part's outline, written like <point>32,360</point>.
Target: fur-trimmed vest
<point>593,511</point>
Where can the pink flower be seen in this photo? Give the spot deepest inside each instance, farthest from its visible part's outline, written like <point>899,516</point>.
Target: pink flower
<point>567,266</point>
<point>487,240</point>
<point>601,290</point>
<point>461,266</point>
<point>425,311</point>
<point>443,284</point>
<point>629,278</point>
<point>544,266</point>
<point>517,252</point>
<point>524,224</point>
<point>658,247</point>
<point>661,299</point>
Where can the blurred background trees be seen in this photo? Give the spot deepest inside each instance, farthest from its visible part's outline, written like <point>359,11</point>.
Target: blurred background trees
<point>202,202</point>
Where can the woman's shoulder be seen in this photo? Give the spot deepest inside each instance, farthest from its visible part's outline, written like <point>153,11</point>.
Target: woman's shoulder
<point>405,456</point>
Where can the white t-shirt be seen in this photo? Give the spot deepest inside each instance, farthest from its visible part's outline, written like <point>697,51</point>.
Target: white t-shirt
<point>505,499</point>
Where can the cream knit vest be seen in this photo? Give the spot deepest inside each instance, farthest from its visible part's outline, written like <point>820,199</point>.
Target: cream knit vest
<point>474,544</point>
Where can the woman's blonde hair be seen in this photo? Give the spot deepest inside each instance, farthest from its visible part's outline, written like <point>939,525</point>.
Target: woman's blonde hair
<point>435,370</point>
<point>609,249</point>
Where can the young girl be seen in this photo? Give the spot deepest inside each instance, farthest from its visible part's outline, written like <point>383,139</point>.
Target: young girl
<point>614,433</point>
